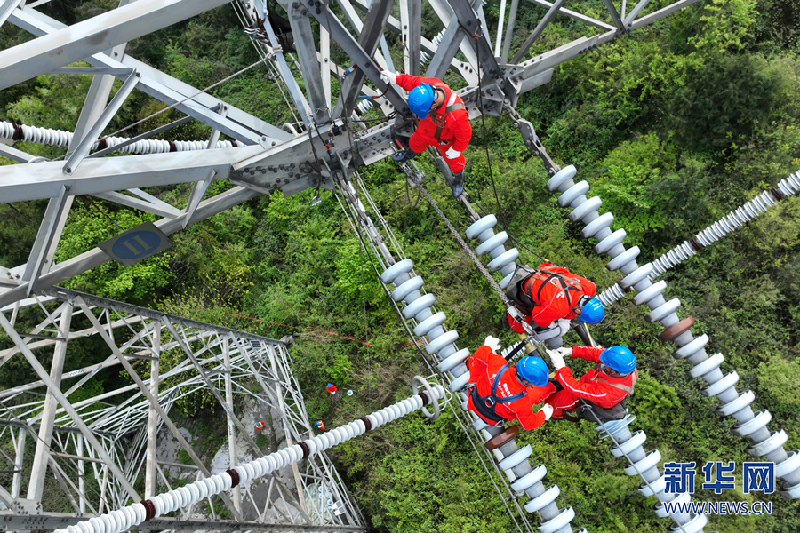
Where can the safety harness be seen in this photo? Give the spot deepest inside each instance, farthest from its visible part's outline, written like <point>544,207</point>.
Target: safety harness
<point>486,405</point>
<point>524,275</point>
<point>602,414</point>
<point>440,121</point>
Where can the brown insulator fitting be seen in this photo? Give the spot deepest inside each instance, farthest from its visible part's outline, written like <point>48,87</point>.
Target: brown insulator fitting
<point>306,451</point>
<point>778,195</point>
<point>367,423</point>
<point>18,133</point>
<point>672,332</point>
<point>172,147</point>
<point>424,397</point>
<point>150,509</point>
<point>234,477</point>
<point>696,246</point>
<point>102,143</point>
<point>502,438</point>
<point>233,143</point>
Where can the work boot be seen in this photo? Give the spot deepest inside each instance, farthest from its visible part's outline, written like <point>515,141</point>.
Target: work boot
<point>403,156</point>
<point>458,184</point>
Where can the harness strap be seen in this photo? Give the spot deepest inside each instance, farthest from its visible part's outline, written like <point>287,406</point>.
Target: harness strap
<point>544,275</point>
<point>486,405</point>
<point>440,121</point>
<point>619,386</point>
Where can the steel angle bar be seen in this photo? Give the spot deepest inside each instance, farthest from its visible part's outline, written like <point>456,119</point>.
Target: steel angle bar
<point>6,8</point>
<point>39,468</point>
<point>451,40</point>
<point>95,101</point>
<point>512,20</point>
<point>238,125</point>
<point>17,155</point>
<point>577,16</point>
<point>537,31</point>
<point>640,5</point>
<point>67,406</point>
<point>307,54</point>
<point>42,55</point>
<point>198,191</point>
<point>44,237</point>
<point>369,39</point>
<point>357,53</point>
<point>136,203</point>
<point>93,71</point>
<point>86,143</point>
<point>479,41</point>
<point>19,183</point>
<point>614,15</point>
<point>210,386</point>
<point>661,13</point>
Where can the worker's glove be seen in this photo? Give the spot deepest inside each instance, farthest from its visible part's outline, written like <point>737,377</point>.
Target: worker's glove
<point>389,77</point>
<point>563,324</point>
<point>547,409</point>
<point>451,154</point>
<point>557,359</point>
<point>493,343</point>
<point>514,312</point>
<point>565,351</point>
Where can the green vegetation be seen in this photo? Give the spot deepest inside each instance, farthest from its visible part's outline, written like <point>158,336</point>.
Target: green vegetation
<point>673,126</point>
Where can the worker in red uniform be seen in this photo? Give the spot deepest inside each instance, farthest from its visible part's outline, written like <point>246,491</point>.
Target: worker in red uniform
<point>500,392</point>
<point>331,388</point>
<point>606,386</point>
<point>320,425</point>
<point>550,297</point>
<point>443,122</point>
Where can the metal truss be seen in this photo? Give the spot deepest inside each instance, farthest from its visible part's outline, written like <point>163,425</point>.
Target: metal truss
<point>263,157</point>
<point>98,447</point>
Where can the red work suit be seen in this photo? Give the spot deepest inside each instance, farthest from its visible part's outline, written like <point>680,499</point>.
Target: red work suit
<point>483,367</point>
<point>595,386</point>
<point>456,130</point>
<point>552,301</point>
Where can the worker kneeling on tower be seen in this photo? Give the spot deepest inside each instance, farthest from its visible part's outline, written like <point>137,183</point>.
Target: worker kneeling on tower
<point>600,394</point>
<point>499,392</point>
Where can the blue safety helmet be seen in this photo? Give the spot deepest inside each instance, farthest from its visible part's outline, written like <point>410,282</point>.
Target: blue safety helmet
<point>592,312</point>
<point>421,99</point>
<point>532,368</point>
<point>619,358</point>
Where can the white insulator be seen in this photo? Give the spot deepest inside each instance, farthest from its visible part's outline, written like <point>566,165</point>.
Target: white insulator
<point>478,227</point>
<point>650,460</point>
<point>516,458</point>
<point>365,105</point>
<point>556,524</point>
<point>712,363</point>
<point>251,472</point>
<point>194,490</point>
<point>490,244</point>
<point>146,146</point>
<point>718,387</point>
<point>440,342</point>
<point>158,503</point>
<point>776,440</point>
<point>629,445</point>
<point>543,500</point>
<point>761,419</point>
<point>611,295</point>
<point>649,293</point>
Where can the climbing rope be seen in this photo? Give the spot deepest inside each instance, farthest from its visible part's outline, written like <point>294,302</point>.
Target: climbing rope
<point>466,248</point>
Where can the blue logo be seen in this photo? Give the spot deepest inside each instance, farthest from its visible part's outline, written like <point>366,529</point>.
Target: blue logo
<point>136,244</point>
